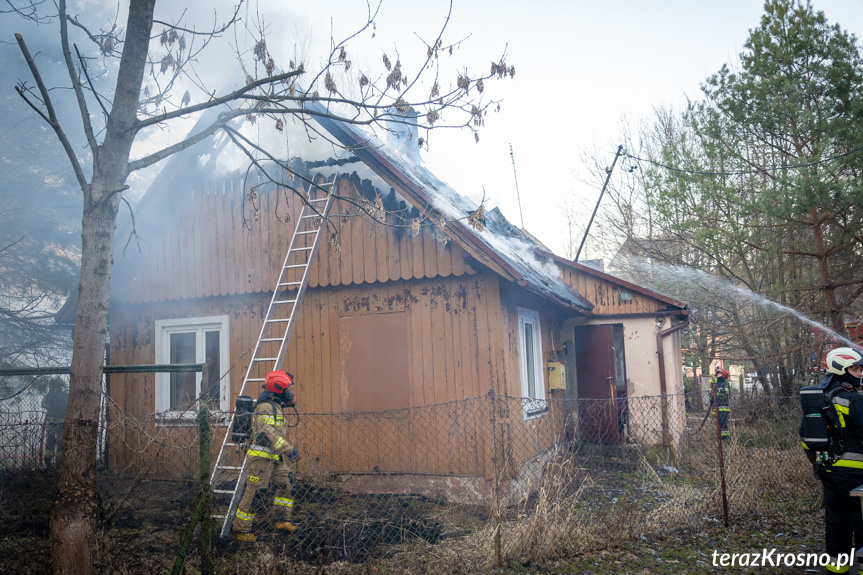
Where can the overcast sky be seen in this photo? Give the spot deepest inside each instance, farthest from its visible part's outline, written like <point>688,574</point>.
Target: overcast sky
<point>582,68</point>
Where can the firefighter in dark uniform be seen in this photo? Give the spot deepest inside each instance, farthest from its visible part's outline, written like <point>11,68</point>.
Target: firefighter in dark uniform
<point>268,456</point>
<point>843,517</point>
<point>720,400</point>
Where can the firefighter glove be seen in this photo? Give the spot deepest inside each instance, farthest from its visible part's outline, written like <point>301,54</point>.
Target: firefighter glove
<point>294,456</point>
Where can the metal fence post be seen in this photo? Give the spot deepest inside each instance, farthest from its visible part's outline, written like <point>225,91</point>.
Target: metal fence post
<point>498,553</point>
<point>206,516</point>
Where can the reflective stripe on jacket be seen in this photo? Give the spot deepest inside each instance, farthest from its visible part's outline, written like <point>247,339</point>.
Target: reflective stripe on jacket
<point>269,429</point>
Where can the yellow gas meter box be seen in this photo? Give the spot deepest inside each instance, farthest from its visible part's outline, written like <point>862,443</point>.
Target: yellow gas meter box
<point>556,375</point>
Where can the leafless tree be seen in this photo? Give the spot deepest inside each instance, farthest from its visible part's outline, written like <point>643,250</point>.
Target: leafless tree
<point>129,80</point>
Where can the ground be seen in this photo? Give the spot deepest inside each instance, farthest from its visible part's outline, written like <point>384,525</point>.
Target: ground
<point>347,533</point>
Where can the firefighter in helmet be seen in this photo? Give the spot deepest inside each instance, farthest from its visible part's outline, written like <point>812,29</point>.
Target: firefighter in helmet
<point>843,517</point>
<point>719,399</point>
<point>268,456</point>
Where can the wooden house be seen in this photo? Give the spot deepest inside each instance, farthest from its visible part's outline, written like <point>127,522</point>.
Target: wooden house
<point>403,331</point>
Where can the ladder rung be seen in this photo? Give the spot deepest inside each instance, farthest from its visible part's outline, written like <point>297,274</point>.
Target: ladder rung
<point>301,249</point>
<point>277,320</point>
<point>261,378</point>
<point>265,359</point>
<point>308,217</point>
<point>296,266</point>
<point>318,200</point>
<point>219,516</point>
<point>288,300</point>
<point>314,231</point>
<point>223,490</point>
<point>229,467</point>
<point>266,339</point>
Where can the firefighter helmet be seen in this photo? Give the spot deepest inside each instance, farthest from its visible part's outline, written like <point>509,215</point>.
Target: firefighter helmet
<point>840,359</point>
<point>721,372</point>
<point>278,381</point>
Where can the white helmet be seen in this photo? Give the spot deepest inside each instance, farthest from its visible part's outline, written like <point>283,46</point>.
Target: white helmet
<point>840,359</point>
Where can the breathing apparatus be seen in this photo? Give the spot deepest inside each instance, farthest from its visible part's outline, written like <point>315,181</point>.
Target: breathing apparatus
<point>821,426</point>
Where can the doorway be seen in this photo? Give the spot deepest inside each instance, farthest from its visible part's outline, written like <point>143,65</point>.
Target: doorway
<point>601,384</point>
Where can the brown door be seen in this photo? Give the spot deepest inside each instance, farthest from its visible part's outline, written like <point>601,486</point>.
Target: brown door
<point>598,418</point>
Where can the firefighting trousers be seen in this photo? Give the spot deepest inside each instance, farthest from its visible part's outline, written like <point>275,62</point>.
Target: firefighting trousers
<point>843,516</point>
<point>724,412</point>
<point>261,472</point>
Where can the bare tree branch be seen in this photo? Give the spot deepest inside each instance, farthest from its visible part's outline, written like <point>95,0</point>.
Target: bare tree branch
<point>51,115</point>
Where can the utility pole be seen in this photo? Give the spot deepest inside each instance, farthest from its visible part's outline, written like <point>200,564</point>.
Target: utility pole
<point>607,178</point>
<point>517,195</point>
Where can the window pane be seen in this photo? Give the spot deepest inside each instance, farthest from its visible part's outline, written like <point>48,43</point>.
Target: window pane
<point>529,360</point>
<point>182,384</point>
<point>212,359</point>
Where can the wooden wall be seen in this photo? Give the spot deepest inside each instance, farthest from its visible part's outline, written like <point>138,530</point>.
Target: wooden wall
<point>607,297</point>
<point>525,438</point>
<point>198,246</point>
<point>457,351</point>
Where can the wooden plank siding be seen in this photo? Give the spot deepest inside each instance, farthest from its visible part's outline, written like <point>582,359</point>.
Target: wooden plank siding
<point>607,297</point>
<point>199,247</point>
<point>438,432</point>
<point>520,439</point>
<point>460,329</point>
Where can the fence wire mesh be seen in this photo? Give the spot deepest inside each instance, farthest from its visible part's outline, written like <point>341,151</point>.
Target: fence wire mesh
<point>481,481</point>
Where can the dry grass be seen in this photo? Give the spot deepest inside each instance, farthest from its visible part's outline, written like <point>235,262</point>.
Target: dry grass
<point>578,510</point>
<point>594,500</point>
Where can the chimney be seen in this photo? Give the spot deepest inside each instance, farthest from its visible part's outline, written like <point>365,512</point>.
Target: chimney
<point>403,135</point>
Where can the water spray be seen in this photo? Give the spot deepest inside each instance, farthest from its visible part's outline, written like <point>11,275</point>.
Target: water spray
<point>713,284</point>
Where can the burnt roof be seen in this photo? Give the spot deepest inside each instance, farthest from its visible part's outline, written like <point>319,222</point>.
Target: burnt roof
<point>508,250</point>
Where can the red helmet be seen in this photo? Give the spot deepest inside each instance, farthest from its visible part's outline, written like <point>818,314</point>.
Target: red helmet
<point>721,372</point>
<point>278,381</point>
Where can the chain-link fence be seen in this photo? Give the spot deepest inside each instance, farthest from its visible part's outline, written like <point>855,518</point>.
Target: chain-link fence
<point>481,481</point>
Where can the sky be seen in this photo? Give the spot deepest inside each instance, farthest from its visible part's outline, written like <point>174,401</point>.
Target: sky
<point>585,70</point>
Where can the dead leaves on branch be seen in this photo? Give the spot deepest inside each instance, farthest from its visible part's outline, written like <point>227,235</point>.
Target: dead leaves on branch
<point>501,70</point>
<point>476,219</point>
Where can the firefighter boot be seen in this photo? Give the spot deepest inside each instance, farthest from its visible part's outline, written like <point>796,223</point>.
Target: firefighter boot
<point>286,526</point>
<point>246,536</point>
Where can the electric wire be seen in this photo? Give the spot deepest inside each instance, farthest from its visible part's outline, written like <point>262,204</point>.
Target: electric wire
<point>743,172</point>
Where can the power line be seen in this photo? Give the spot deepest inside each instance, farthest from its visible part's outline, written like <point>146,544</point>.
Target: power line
<point>744,172</point>
<point>620,152</point>
<point>521,215</point>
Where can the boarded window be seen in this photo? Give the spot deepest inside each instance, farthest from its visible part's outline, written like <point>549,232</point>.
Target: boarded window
<point>373,353</point>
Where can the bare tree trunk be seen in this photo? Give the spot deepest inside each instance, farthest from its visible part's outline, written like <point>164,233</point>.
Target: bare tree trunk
<point>837,322</point>
<point>76,509</point>
<point>75,513</point>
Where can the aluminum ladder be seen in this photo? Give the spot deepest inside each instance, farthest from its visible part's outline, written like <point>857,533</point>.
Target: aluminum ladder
<point>272,343</point>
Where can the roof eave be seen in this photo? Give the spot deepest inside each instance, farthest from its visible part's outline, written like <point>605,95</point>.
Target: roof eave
<point>602,275</point>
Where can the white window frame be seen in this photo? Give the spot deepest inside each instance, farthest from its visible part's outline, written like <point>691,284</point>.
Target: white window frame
<point>533,406</point>
<point>164,329</point>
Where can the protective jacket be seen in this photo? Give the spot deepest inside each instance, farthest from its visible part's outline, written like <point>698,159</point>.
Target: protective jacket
<point>267,456</point>
<point>269,429</point>
<point>843,517</point>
